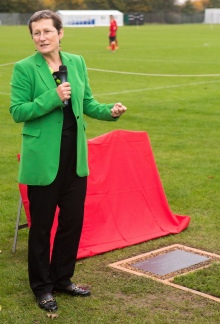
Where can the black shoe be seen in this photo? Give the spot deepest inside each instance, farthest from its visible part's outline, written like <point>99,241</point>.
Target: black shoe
<point>74,290</point>
<point>47,302</point>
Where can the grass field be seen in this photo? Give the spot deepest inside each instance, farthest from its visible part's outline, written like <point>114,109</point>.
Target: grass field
<point>169,78</point>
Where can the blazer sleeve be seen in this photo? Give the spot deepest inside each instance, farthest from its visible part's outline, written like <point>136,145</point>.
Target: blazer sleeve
<point>24,105</point>
<point>91,107</point>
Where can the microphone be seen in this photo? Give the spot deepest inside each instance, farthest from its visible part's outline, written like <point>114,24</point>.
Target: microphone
<point>63,78</point>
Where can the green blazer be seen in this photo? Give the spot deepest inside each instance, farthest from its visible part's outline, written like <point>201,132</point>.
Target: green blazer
<point>35,102</point>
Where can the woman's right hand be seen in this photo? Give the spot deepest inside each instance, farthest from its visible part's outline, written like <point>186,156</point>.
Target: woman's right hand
<point>64,91</point>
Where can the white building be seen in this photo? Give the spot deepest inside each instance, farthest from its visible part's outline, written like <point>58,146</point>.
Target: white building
<point>212,16</point>
<point>89,18</point>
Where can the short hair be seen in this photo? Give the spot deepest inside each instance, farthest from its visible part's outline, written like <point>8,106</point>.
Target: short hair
<point>46,14</point>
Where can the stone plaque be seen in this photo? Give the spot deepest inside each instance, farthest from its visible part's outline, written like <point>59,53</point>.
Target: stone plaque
<point>169,262</point>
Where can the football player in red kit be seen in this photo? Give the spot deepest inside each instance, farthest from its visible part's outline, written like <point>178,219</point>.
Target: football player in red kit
<point>113,44</point>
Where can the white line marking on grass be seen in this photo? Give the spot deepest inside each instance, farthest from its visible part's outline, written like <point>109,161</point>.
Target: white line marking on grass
<point>4,93</point>
<point>161,61</point>
<point>145,89</point>
<point>143,74</point>
<point>177,61</point>
<point>157,75</point>
<point>156,88</point>
<point>7,64</point>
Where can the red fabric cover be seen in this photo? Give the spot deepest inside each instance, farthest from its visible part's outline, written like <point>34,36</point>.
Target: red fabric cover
<point>125,202</point>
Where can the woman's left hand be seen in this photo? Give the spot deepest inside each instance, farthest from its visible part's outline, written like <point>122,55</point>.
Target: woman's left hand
<point>118,110</point>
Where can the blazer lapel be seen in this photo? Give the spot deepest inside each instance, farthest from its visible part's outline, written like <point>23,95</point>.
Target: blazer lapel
<point>44,71</point>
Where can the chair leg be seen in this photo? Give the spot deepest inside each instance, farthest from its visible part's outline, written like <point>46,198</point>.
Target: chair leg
<point>17,225</point>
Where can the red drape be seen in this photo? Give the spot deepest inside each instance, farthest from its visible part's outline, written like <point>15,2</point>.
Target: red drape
<point>125,202</point>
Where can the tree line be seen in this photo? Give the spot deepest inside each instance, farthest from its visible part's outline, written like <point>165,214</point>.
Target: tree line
<point>26,6</point>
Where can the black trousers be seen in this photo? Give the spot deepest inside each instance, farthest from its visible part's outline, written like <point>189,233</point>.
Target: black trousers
<point>68,191</point>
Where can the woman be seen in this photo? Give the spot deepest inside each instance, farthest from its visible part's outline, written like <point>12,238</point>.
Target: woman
<point>54,154</point>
